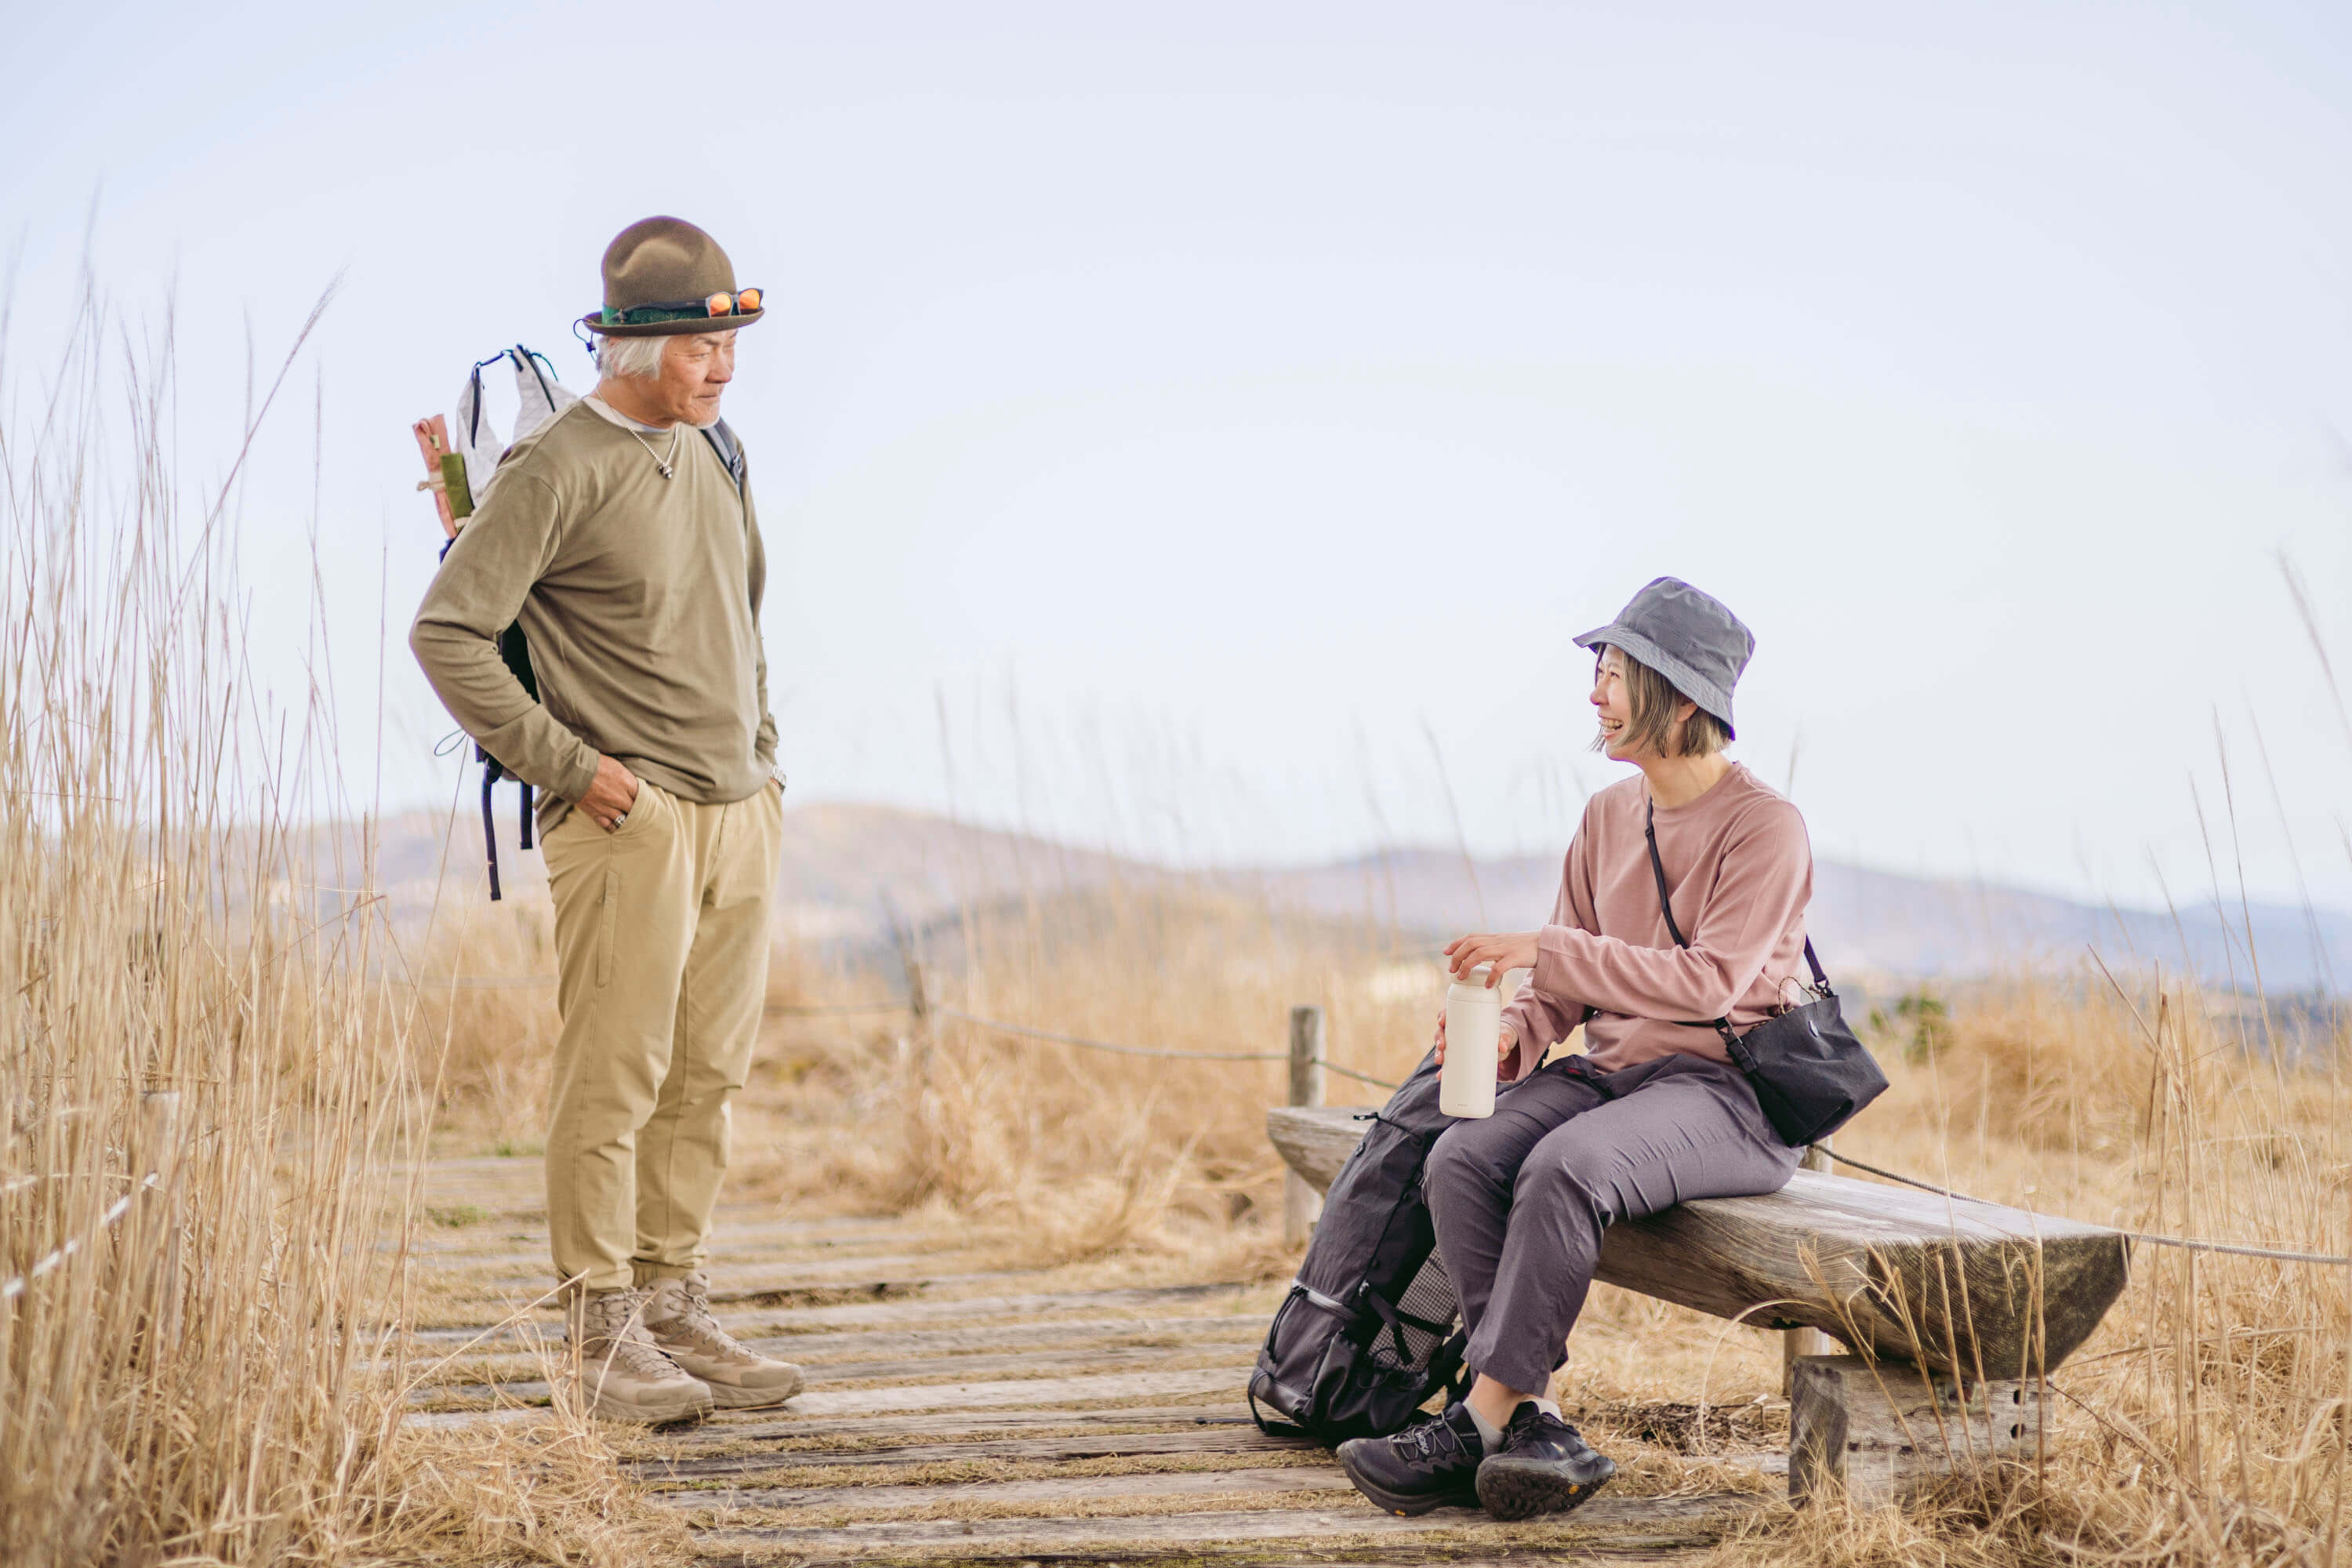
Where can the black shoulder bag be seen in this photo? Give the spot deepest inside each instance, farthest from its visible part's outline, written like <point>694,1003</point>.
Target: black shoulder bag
<point>1810,1073</point>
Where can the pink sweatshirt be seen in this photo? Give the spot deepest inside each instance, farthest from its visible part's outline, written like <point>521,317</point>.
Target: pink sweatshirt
<point>1740,872</point>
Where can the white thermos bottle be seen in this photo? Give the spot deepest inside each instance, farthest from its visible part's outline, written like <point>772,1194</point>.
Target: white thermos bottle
<point>1474,1029</point>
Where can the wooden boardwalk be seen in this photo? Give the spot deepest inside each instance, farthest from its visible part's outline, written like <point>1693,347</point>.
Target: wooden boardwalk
<point>958,1410</point>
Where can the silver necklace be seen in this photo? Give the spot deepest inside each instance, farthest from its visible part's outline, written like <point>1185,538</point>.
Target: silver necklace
<point>660,462</point>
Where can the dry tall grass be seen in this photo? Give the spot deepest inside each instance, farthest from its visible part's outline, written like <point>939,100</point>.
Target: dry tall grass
<point>212,1109</point>
<point>187,1385</point>
<point>2206,1422</point>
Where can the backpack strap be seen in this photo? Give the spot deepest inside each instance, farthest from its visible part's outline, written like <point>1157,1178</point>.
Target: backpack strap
<point>1272,1428</point>
<point>489,832</point>
<point>731,451</point>
<point>537,364</point>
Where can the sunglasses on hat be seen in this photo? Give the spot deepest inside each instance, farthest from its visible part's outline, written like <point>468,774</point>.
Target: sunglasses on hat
<point>742,302</point>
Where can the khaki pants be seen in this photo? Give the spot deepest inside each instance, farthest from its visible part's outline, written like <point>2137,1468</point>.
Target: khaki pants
<point>661,937</point>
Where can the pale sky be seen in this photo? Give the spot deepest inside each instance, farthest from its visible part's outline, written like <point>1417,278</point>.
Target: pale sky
<point>1220,412</point>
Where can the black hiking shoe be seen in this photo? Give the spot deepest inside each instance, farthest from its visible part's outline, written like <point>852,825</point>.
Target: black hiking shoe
<point>1544,1465</point>
<point>1434,1463</point>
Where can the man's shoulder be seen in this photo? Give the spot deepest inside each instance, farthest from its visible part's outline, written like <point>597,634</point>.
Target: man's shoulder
<point>572,440</point>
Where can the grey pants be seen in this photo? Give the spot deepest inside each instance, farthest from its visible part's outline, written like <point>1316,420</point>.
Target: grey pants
<point>1521,1197</point>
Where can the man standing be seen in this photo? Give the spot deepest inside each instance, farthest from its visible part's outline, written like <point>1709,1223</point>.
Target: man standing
<point>620,534</point>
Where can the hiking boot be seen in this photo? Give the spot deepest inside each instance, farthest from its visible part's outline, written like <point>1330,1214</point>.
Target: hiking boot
<point>623,1375</point>
<point>678,1316</point>
<point>1434,1463</point>
<point>1544,1465</point>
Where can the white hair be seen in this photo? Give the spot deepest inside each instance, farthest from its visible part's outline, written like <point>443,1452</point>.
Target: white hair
<point>629,359</point>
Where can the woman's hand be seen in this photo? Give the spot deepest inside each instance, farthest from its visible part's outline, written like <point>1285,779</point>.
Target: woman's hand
<point>1515,950</point>
<point>1507,1042</point>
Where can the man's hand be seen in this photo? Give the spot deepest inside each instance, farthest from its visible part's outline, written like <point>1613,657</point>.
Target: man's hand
<point>608,800</point>
<point>1513,951</point>
<point>1504,1045</point>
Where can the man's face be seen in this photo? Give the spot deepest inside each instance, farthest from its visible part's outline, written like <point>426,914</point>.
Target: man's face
<point>695,371</point>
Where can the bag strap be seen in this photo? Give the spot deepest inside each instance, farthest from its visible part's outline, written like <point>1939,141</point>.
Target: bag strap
<point>531,360</point>
<point>730,452</point>
<point>1272,1428</point>
<point>1658,870</point>
<point>1666,908</point>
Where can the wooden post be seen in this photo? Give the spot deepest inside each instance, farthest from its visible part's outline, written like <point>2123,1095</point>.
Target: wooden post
<point>1878,1431</point>
<point>1797,1342</point>
<point>1302,1206</point>
<point>915,1046</point>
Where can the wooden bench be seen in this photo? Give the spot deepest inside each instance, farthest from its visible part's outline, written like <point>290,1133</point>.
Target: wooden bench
<point>1953,1309</point>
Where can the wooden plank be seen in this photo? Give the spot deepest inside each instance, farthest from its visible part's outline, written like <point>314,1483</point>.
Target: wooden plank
<point>929,1426</point>
<point>1060,1449</point>
<point>1668,1520</point>
<point>859,1354</point>
<point>1978,1288</point>
<point>1070,1362</point>
<point>972,1308</point>
<point>488,1241</point>
<point>1032,1392</point>
<point>1060,1489</point>
<point>1025,1391</point>
<point>742,1279</point>
<point>1038,1391</point>
<point>794,1321</point>
<point>823,1349</point>
<point>1076,1362</point>
<point>980,1308</point>
<point>458,1420</point>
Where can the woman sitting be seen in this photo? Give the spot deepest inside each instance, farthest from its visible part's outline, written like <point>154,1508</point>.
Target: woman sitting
<point>1654,1113</point>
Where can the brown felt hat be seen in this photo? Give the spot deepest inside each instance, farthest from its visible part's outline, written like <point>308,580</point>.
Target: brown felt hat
<point>658,274</point>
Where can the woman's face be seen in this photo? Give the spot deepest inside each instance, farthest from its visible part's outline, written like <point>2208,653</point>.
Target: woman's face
<point>1612,706</point>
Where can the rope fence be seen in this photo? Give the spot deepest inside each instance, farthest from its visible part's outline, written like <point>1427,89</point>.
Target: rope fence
<point>838,1009</point>
<point>999,1026</point>
<point>2233,1249</point>
<point>523,982</point>
<point>1024,1031</point>
<point>12,1289</point>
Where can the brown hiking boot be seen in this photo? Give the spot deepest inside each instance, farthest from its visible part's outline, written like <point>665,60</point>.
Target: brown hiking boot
<point>678,1315</point>
<point>623,1376</point>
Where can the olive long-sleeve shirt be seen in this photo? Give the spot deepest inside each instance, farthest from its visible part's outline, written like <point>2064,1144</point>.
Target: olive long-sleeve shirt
<point>640,598</point>
<point>1740,869</point>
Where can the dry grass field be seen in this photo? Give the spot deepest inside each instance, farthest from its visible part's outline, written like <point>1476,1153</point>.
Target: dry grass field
<point>264,1169</point>
<point>2206,1422</point>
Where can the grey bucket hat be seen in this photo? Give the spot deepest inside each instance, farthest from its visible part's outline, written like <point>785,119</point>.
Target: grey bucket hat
<point>1684,635</point>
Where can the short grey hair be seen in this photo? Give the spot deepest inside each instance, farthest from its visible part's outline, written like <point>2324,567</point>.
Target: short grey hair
<point>629,359</point>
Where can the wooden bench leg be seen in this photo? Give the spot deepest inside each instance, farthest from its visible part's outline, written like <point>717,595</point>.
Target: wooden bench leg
<point>1877,1433</point>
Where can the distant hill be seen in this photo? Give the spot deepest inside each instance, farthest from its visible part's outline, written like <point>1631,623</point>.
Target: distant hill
<point>1879,923</point>
<point>849,870</point>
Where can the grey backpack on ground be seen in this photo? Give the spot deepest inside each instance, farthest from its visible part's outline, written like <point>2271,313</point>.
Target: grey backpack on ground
<point>1367,1332</point>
